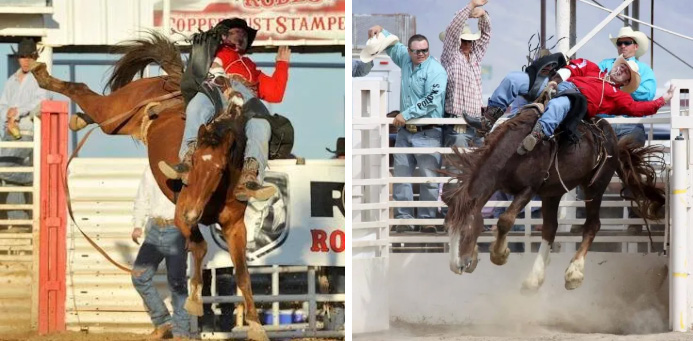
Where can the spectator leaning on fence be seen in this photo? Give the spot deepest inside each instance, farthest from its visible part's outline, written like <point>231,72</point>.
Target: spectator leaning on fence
<point>423,86</point>
<point>163,241</point>
<point>461,58</point>
<point>19,104</point>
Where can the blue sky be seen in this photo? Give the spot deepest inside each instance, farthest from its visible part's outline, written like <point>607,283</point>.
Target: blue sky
<point>513,22</point>
<point>314,102</point>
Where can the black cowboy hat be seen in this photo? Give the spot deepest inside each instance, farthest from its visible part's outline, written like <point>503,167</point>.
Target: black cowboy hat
<point>27,48</point>
<point>228,24</point>
<point>340,148</point>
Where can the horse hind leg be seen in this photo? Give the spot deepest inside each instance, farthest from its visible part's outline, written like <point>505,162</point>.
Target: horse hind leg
<point>574,274</point>
<point>235,234</point>
<point>499,247</point>
<point>198,248</point>
<point>549,210</point>
<point>78,92</point>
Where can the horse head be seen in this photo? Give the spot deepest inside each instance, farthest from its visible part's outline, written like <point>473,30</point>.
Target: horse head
<point>218,155</point>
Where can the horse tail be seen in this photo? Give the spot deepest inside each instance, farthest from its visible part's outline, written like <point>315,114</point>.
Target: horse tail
<point>637,172</point>
<point>138,53</point>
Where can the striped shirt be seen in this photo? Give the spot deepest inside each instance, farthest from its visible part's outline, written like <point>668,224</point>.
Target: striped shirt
<point>463,93</point>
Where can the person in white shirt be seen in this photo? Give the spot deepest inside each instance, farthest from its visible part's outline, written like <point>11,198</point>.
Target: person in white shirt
<point>154,213</point>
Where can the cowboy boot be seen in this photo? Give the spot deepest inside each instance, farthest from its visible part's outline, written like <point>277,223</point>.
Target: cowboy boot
<point>488,118</point>
<point>180,170</point>
<point>248,187</point>
<point>532,139</point>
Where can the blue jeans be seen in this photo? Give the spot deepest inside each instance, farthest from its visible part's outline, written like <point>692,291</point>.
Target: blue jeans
<point>200,110</point>
<point>507,93</point>
<point>404,165</point>
<point>163,243</point>
<point>556,110</point>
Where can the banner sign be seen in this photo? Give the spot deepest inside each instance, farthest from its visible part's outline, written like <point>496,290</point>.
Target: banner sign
<point>303,224</point>
<point>301,22</point>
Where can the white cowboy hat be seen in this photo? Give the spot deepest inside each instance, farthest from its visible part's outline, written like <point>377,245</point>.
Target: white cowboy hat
<point>466,34</point>
<point>634,74</point>
<point>639,37</point>
<point>377,44</point>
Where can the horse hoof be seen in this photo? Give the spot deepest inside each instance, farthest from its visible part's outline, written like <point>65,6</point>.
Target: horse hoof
<point>571,285</point>
<point>193,307</point>
<point>499,259</point>
<point>256,333</point>
<point>531,286</point>
<point>76,123</point>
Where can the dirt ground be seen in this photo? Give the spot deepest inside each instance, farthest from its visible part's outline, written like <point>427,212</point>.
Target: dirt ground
<point>415,332</point>
<point>78,336</point>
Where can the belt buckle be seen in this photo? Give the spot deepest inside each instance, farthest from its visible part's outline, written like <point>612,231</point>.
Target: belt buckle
<point>460,128</point>
<point>411,128</point>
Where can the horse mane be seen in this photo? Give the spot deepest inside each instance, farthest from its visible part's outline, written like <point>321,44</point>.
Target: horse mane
<point>216,130</point>
<point>464,197</point>
<point>139,53</point>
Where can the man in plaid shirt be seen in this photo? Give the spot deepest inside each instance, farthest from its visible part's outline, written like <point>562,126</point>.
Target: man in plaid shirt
<point>461,58</point>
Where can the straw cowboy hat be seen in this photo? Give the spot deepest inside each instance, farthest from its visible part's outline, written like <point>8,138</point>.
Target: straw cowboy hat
<point>634,74</point>
<point>465,35</point>
<point>377,44</point>
<point>639,37</point>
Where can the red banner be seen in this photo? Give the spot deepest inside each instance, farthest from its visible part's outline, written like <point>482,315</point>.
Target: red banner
<point>303,22</point>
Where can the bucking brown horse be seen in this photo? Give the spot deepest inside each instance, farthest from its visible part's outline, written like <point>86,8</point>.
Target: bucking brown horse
<point>152,110</point>
<point>550,170</point>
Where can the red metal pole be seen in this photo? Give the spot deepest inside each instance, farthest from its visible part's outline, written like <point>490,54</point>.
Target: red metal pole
<point>52,243</point>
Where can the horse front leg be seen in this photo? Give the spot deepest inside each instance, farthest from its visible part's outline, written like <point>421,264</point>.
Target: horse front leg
<point>549,210</point>
<point>499,247</point>
<point>235,234</point>
<point>575,273</point>
<point>198,246</point>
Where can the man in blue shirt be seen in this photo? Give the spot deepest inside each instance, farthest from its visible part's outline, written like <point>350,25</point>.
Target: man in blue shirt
<point>423,86</point>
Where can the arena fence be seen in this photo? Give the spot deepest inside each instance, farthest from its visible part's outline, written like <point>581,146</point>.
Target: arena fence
<point>373,219</point>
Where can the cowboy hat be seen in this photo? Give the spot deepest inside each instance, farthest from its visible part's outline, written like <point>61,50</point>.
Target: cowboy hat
<point>377,44</point>
<point>639,37</point>
<point>227,24</point>
<point>340,150</point>
<point>634,74</point>
<point>465,35</point>
<point>26,48</point>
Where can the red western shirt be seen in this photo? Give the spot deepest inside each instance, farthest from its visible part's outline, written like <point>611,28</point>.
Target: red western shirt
<point>603,97</point>
<point>268,88</point>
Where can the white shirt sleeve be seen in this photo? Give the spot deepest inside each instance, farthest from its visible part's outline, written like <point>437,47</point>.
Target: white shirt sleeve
<point>564,73</point>
<point>141,210</point>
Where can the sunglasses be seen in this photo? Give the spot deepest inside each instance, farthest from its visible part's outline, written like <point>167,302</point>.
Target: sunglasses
<point>626,43</point>
<point>422,51</point>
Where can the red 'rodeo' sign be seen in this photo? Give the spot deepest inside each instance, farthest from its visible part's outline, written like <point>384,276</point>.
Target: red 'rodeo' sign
<point>303,22</point>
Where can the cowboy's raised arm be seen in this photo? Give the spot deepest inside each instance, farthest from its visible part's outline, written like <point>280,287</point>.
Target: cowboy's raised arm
<point>625,104</point>
<point>271,89</point>
<point>398,52</point>
<point>481,45</point>
<point>433,99</point>
<point>451,44</point>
